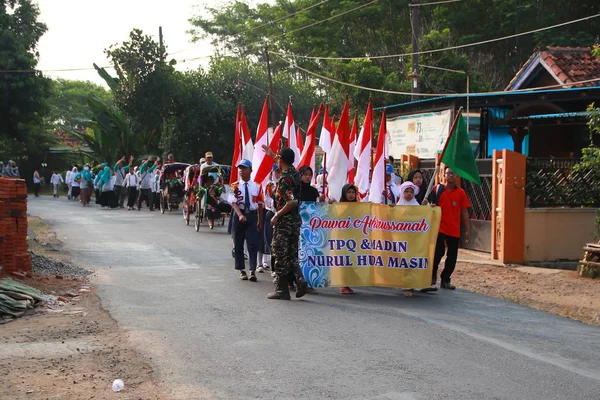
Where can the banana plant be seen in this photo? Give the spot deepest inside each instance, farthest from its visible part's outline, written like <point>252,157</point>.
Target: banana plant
<point>108,134</point>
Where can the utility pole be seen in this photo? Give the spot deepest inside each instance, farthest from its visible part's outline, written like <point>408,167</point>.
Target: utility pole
<point>271,95</point>
<point>415,22</point>
<point>167,147</point>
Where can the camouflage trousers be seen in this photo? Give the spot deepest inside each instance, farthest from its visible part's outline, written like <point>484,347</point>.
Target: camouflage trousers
<point>284,249</point>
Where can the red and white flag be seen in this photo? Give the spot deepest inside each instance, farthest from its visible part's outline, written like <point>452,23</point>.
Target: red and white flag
<point>246,138</point>
<point>351,147</point>
<point>338,161</point>
<point>275,144</point>
<point>362,153</point>
<point>299,141</point>
<point>378,179</point>
<point>289,132</point>
<point>308,154</point>
<point>326,133</point>
<point>261,163</point>
<point>237,147</point>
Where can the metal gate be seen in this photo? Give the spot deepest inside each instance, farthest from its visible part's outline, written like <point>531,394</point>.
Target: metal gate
<point>480,197</point>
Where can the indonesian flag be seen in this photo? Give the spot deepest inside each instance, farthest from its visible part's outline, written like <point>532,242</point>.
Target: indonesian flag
<point>275,144</point>
<point>378,179</point>
<point>352,145</point>
<point>237,147</point>
<point>261,163</point>
<point>362,153</point>
<point>299,140</point>
<point>246,138</point>
<point>308,154</point>
<point>338,162</point>
<point>289,132</point>
<point>326,133</point>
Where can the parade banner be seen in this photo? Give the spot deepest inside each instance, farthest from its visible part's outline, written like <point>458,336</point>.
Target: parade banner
<point>365,244</point>
<point>421,135</point>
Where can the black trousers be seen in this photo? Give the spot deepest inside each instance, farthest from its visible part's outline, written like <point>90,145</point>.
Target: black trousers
<point>146,194</point>
<point>131,196</point>
<point>36,188</point>
<point>120,193</point>
<point>443,242</point>
<point>245,232</point>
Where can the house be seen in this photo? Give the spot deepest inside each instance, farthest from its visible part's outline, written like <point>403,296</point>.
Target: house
<point>542,112</point>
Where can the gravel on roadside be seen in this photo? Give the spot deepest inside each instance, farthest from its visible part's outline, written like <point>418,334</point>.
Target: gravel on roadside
<point>46,266</point>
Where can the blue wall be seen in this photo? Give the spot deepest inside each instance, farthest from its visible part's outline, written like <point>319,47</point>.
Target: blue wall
<point>499,139</point>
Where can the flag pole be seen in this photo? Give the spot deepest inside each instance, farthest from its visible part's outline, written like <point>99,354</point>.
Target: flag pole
<point>437,164</point>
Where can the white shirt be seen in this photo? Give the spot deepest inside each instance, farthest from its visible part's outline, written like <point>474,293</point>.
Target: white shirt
<point>119,177</point>
<point>392,188</point>
<point>146,179</point>
<point>69,177</point>
<point>131,180</point>
<point>237,194</point>
<point>56,179</point>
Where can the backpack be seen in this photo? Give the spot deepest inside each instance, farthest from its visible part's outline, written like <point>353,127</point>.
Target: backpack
<point>436,193</point>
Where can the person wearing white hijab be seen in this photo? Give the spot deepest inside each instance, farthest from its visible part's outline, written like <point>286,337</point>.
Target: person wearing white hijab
<point>75,184</point>
<point>408,191</point>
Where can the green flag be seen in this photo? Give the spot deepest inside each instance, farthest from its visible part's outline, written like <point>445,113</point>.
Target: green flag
<point>459,154</point>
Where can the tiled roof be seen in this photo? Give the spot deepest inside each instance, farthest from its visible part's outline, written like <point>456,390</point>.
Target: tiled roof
<point>568,65</point>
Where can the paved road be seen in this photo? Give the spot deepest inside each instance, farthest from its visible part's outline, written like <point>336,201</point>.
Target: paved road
<point>213,336</point>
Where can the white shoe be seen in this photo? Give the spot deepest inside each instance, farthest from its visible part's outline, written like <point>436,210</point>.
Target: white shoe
<point>260,269</point>
<point>273,274</point>
<point>266,266</point>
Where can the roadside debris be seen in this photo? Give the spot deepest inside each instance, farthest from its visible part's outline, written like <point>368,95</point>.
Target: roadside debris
<point>47,266</point>
<point>16,299</point>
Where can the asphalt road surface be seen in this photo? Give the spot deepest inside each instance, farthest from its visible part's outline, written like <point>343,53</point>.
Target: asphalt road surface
<point>212,336</point>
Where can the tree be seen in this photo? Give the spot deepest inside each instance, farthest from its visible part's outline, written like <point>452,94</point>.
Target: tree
<point>144,88</point>
<point>68,101</point>
<point>23,90</point>
<point>206,102</point>
<point>107,133</point>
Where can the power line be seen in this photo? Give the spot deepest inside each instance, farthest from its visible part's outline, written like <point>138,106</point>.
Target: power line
<point>462,46</point>
<point>261,25</point>
<point>280,19</point>
<point>29,71</point>
<point>330,18</point>
<point>326,78</point>
<point>433,3</point>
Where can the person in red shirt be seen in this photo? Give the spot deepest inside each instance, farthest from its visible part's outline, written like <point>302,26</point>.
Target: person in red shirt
<point>454,204</point>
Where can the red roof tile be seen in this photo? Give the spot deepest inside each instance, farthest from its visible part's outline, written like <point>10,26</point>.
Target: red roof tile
<point>569,65</point>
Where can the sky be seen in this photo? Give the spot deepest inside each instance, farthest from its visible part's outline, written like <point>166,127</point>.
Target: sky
<point>80,30</point>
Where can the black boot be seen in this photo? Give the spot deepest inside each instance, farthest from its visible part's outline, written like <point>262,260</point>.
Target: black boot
<point>282,291</point>
<point>301,287</point>
<point>301,284</point>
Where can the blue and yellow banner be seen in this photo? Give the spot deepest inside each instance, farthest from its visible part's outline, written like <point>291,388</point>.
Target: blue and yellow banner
<point>366,244</point>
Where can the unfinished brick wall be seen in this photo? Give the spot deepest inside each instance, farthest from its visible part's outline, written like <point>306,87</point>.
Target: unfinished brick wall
<point>13,227</point>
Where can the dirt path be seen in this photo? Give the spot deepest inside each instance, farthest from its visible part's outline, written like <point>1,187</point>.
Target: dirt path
<point>556,291</point>
<point>73,351</point>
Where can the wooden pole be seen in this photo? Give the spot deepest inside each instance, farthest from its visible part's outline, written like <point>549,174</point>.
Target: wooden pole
<point>439,161</point>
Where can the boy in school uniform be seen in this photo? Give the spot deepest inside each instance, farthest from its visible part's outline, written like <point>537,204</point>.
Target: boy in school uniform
<point>247,200</point>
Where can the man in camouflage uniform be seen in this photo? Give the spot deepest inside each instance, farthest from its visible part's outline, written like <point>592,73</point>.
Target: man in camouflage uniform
<point>286,232</point>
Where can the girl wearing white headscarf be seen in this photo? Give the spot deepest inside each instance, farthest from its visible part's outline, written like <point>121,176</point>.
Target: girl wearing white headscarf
<point>75,185</point>
<point>408,192</point>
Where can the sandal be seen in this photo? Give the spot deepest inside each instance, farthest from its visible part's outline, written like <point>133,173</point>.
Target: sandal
<point>346,290</point>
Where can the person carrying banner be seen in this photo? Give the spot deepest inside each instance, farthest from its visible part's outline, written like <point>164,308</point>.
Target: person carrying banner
<point>246,199</point>
<point>454,204</point>
<point>349,195</point>
<point>286,223</point>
